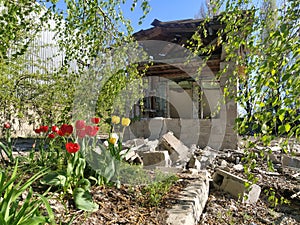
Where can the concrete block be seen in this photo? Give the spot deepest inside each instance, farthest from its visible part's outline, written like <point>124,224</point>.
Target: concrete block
<point>136,142</point>
<point>236,186</point>
<point>148,146</point>
<point>177,150</point>
<point>157,158</point>
<point>290,161</point>
<point>190,203</point>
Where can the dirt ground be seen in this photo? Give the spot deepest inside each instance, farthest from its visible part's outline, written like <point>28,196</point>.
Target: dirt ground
<point>128,204</point>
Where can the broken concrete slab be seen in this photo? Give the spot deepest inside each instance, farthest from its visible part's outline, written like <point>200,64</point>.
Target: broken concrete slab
<point>146,146</point>
<point>236,186</point>
<point>131,156</point>
<point>208,157</point>
<point>177,150</point>
<point>223,163</point>
<point>289,161</point>
<point>127,154</point>
<point>152,144</point>
<point>136,142</point>
<point>211,153</point>
<point>143,148</point>
<point>153,159</point>
<point>191,203</point>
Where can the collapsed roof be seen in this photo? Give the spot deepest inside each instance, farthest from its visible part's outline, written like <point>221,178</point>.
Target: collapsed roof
<point>167,44</point>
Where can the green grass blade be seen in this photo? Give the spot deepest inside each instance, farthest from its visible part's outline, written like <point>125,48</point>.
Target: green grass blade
<point>22,211</point>
<point>48,208</point>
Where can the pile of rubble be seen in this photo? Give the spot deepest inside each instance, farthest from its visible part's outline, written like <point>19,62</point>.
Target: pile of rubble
<point>168,152</point>
<point>221,170</point>
<point>277,187</point>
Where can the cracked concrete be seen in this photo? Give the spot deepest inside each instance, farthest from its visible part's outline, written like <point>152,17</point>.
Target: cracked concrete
<point>190,203</point>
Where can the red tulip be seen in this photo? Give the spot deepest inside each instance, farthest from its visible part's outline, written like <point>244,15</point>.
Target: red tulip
<point>54,129</point>
<point>41,129</point>
<point>80,133</point>
<point>60,133</point>
<point>72,147</point>
<point>51,135</point>
<point>95,120</point>
<point>80,124</point>
<point>37,130</point>
<point>91,130</point>
<point>7,125</point>
<point>44,129</point>
<point>66,129</point>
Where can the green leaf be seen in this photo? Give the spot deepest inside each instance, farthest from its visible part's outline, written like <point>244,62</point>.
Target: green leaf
<point>48,208</point>
<point>25,206</point>
<point>79,169</point>
<point>35,221</point>
<point>281,117</point>
<point>287,127</point>
<point>70,168</point>
<point>110,170</point>
<point>85,184</point>
<point>281,129</point>
<point>54,178</point>
<point>83,200</point>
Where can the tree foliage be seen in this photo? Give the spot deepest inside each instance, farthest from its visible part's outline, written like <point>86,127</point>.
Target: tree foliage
<point>84,35</point>
<point>262,41</point>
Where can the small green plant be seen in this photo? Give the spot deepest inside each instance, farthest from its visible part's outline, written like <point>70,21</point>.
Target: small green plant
<point>154,192</point>
<point>247,217</point>
<point>230,218</point>
<point>273,199</point>
<point>12,212</point>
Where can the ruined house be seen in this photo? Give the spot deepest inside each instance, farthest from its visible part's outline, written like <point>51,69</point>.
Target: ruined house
<point>178,97</point>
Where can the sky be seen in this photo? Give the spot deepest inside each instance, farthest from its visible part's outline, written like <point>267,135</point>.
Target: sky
<point>163,10</point>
